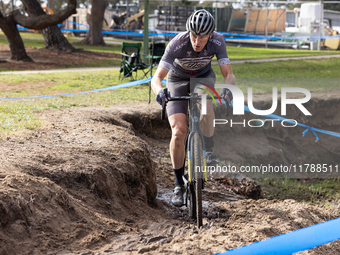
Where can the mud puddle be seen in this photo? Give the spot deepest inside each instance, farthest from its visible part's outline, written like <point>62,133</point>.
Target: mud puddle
<point>174,223</point>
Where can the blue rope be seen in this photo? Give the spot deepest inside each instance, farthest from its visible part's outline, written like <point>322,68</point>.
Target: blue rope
<point>292,242</point>
<point>139,82</point>
<point>314,130</point>
<point>277,117</point>
<point>124,85</point>
<point>231,36</point>
<point>75,23</point>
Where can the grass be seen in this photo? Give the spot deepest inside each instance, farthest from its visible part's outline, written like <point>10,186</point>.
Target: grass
<point>312,68</point>
<point>37,41</point>
<point>315,75</point>
<point>314,190</point>
<point>235,53</point>
<point>17,117</point>
<point>19,114</point>
<point>244,53</point>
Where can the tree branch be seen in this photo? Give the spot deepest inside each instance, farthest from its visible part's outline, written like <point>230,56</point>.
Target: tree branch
<point>43,21</point>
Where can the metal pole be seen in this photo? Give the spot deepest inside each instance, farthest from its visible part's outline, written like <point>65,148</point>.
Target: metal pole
<point>146,27</point>
<point>127,9</point>
<point>171,17</point>
<point>127,16</point>
<point>152,53</point>
<point>267,26</point>
<point>146,34</point>
<point>216,15</point>
<point>320,26</point>
<point>12,5</point>
<point>296,19</point>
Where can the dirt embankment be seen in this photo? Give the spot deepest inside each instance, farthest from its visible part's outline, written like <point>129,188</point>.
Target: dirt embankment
<point>98,180</point>
<point>282,145</point>
<point>75,182</point>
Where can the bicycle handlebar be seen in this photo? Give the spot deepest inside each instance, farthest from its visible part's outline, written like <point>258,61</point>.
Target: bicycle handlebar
<point>165,91</point>
<point>178,98</point>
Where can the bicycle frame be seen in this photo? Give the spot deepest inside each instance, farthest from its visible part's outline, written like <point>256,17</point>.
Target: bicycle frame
<point>194,182</point>
<point>194,117</point>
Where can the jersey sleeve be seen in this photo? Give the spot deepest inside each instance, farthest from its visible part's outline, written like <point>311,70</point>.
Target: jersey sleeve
<point>168,57</point>
<point>221,49</point>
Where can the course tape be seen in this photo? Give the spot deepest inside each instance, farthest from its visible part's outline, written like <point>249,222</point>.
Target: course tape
<point>124,85</point>
<point>314,130</point>
<point>232,36</point>
<point>139,82</point>
<point>75,23</point>
<point>277,117</point>
<point>292,242</point>
<point>273,38</point>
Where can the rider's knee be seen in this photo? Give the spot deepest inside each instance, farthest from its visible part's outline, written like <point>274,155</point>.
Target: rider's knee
<point>179,133</point>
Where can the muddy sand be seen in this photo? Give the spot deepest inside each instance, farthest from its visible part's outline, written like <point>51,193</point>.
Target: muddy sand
<point>98,180</point>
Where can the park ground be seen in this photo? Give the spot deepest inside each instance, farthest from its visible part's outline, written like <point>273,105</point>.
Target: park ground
<point>97,179</point>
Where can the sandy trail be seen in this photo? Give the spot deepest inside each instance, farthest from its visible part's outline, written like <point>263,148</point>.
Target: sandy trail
<point>97,180</point>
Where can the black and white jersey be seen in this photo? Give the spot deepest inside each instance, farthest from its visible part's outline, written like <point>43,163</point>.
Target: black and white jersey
<point>182,59</point>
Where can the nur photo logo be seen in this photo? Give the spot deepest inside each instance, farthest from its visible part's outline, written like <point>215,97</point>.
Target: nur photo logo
<point>239,107</point>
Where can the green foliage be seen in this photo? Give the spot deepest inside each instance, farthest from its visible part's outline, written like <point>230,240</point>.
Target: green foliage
<point>112,4</point>
<point>331,6</point>
<point>186,3</point>
<point>320,191</point>
<point>244,53</point>
<point>58,5</point>
<point>314,75</point>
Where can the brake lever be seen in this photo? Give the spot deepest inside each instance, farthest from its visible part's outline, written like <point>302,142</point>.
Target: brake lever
<point>165,91</point>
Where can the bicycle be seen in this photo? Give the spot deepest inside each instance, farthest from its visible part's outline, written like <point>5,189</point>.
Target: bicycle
<point>195,149</point>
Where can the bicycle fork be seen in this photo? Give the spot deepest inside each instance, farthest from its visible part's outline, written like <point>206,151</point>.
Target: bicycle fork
<point>190,171</point>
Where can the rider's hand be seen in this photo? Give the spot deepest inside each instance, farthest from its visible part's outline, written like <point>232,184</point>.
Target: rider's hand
<point>160,96</point>
<point>226,93</point>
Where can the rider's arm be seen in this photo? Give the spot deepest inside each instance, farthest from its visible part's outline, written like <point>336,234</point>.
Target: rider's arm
<point>223,60</point>
<point>156,81</point>
<point>228,75</point>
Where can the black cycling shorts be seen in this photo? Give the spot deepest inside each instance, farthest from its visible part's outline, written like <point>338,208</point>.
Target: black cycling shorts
<point>179,86</point>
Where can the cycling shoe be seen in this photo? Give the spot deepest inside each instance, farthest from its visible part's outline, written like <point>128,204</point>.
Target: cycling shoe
<point>211,158</point>
<point>177,197</point>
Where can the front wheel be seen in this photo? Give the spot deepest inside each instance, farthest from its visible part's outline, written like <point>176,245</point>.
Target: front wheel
<point>198,170</point>
<point>191,195</point>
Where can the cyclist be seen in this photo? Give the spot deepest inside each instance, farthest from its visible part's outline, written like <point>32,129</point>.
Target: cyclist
<point>187,56</point>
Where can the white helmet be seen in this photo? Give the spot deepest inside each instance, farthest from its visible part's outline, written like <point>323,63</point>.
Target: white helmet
<point>201,23</point>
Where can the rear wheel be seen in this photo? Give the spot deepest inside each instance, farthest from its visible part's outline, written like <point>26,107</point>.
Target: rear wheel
<point>198,170</point>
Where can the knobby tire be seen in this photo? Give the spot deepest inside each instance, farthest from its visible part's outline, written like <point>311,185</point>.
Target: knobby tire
<point>197,144</point>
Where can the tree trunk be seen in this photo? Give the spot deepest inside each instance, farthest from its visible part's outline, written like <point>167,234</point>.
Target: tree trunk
<point>94,35</point>
<point>54,39</point>
<point>8,26</point>
<point>18,52</point>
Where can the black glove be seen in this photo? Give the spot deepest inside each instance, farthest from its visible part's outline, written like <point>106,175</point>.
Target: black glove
<point>226,92</point>
<point>160,96</point>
